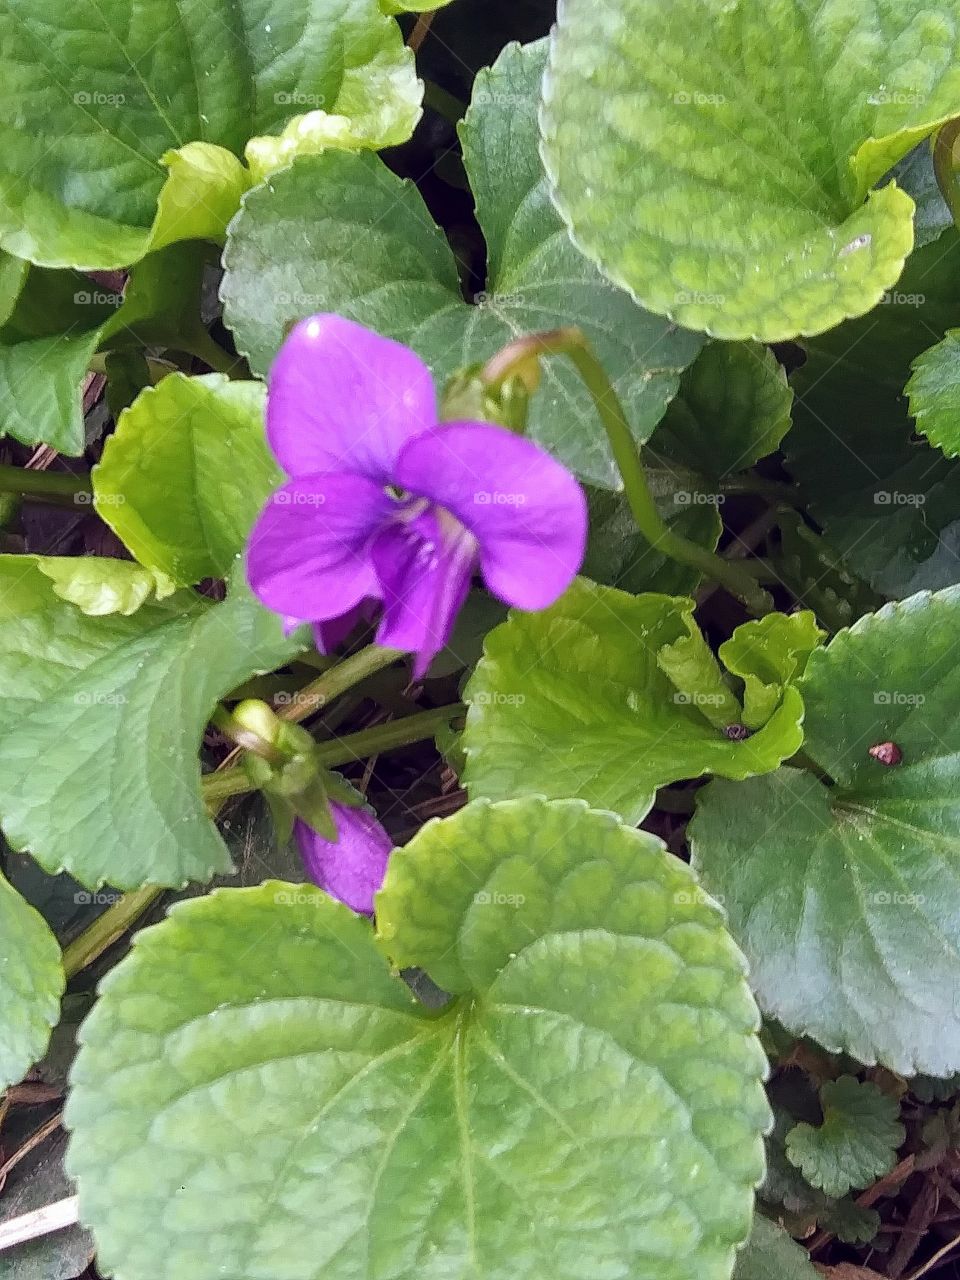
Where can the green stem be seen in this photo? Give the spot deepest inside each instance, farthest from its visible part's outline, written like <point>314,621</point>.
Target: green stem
<point>204,348</point>
<point>318,693</point>
<point>108,929</point>
<point>387,737</point>
<point>351,747</point>
<point>571,343</point>
<point>50,486</point>
<point>772,489</point>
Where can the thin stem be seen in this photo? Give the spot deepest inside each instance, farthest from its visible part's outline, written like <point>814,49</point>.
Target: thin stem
<point>108,929</point>
<point>39,1222</point>
<point>314,696</point>
<point>211,353</point>
<point>571,343</point>
<point>51,486</point>
<point>387,737</point>
<point>946,163</point>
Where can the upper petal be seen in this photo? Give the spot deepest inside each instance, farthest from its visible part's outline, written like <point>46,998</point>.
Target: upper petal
<point>308,555</point>
<point>526,510</point>
<point>424,568</point>
<point>341,397</point>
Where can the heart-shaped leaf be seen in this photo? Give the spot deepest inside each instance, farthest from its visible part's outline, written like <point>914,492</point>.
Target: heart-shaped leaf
<point>888,504</point>
<point>98,586</point>
<point>846,897</point>
<point>31,984</point>
<point>110,103</point>
<point>100,725</point>
<point>288,1109</point>
<point>342,233</point>
<point>763,125</point>
<point>185,474</point>
<point>857,1141</point>
<point>607,697</point>
<point>732,408</point>
<point>934,394</point>
<point>770,1254</point>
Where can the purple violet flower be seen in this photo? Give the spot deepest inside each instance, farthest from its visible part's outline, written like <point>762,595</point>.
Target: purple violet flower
<point>387,507</point>
<point>352,868</point>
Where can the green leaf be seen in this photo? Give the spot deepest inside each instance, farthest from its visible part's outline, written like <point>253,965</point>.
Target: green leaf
<point>411,6</point>
<point>185,474</point>
<point>100,724</point>
<point>888,504</point>
<point>41,390</point>
<point>770,1254</point>
<point>733,408</point>
<point>596,1088</point>
<point>934,394</point>
<point>98,586</point>
<point>577,701</point>
<point>764,125</point>
<point>342,233</point>
<point>850,1222</point>
<point>857,1141</point>
<point>846,897</point>
<point>30,987</point>
<point>13,276</point>
<point>140,122</point>
<point>769,654</point>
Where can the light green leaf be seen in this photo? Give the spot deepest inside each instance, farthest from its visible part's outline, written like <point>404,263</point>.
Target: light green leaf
<point>411,6</point>
<point>342,233</point>
<point>98,586</point>
<point>31,985</point>
<point>100,725</point>
<point>594,1093</point>
<point>846,897</point>
<point>888,504</point>
<point>857,1141</point>
<point>140,122</point>
<point>185,474</point>
<point>733,408</point>
<point>13,276</point>
<point>763,124</point>
<point>934,394</point>
<point>41,389</point>
<point>577,701</point>
<point>769,654</point>
<point>770,1254</point>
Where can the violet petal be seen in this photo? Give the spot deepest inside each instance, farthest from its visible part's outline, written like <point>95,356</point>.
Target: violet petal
<point>527,510</point>
<point>352,869</point>
<point>343,398</point>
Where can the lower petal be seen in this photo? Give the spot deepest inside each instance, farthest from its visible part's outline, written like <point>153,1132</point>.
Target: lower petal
<point>352,868</point>
<point>526,510</point>
<point>423,567</point>
<point>308,555</point>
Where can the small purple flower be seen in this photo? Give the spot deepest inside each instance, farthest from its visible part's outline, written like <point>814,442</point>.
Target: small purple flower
<point>352,868</point>
<point>387,507</point>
